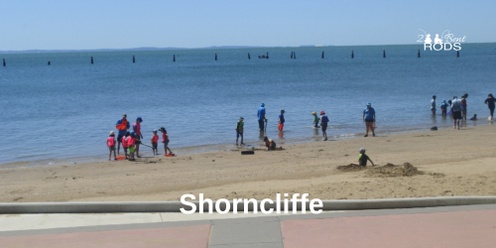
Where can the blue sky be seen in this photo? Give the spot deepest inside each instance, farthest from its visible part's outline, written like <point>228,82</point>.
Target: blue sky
<point>94,24</point>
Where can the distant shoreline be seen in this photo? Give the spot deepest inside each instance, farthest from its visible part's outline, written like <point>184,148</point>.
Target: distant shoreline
<point>202,48</point>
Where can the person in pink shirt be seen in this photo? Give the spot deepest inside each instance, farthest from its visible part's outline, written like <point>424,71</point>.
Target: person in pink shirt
<point>165,140</point>
<point>124,143</point>
<point>111,145</point>
<point>131,144</point>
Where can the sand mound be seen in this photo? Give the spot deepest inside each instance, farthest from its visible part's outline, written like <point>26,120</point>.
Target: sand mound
<point>391,170</point>
<point>351,167</point>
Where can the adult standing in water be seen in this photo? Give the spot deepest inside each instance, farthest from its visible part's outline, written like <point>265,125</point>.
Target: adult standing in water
<point>324,120</point>
<point>491,103</point>
<point>464,107</point>
<point>369,119</point>
<point>456,109</point>
<point>261,117</point>
<point>122,126</point>
<point>433,105</point>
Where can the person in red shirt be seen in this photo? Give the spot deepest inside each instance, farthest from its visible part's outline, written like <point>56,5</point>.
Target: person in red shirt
<point>154,141</point>
<point>139,136</point>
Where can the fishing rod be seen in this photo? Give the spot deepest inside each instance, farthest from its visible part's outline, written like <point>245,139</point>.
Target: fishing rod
<point>146,145</point>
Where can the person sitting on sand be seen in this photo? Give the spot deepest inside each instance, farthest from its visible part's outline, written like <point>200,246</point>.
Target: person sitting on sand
<point>474,118</point>
<point>363,158</point>
<point>269,143</point>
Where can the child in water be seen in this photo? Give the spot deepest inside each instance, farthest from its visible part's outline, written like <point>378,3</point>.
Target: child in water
<point>111,144</point>
<point>280,126</point>
<point>154,141</point>
<point>315,120</point>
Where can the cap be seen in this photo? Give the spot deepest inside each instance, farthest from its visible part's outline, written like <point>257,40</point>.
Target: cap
<point>124,115</point>
<point>241,118</point>
<point>139,119</point>
<point>362,149</point>
<point>314,113</point>
<point>111,133</point>
<point>369,104</point>
<point>155,131</point>
<point>322,113</point>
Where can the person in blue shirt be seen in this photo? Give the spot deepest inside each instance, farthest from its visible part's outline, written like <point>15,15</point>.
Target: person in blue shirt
<point>444,108</point>
<point>261,117</point>
<point>122,126</point>
<point>369,119</point>
<point>324,120</point>
<point>280,126</point>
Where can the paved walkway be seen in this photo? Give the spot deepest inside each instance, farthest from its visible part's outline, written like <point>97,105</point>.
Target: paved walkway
<point>461,226</point>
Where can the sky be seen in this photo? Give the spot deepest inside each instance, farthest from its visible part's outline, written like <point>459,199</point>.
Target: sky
<point>120,24</point>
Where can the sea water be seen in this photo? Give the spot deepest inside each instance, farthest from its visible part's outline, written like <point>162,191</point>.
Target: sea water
<point>57,106</point>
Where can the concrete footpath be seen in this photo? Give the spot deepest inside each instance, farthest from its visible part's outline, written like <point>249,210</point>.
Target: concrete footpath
<point>457,225</point>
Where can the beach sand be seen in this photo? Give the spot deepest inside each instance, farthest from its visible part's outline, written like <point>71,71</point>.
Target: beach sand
<point>447,162</point>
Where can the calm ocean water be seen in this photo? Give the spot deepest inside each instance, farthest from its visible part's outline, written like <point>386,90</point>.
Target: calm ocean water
<point>65,110</point>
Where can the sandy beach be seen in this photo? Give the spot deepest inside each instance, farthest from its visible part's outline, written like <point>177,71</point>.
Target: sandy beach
<point>447,162</point>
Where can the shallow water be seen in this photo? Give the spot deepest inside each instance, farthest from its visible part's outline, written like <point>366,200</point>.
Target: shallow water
<point>65,110</point>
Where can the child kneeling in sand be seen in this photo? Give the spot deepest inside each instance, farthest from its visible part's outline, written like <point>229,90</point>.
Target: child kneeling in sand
<point>363,158</point>
<point>270,144</point>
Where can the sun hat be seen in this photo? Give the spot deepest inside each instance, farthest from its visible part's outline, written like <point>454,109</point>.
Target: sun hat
<point>314,113</point>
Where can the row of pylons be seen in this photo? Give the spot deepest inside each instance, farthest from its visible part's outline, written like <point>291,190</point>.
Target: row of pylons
<point>262,56</point>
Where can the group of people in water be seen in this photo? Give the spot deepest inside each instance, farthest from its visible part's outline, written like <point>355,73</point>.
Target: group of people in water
<point>319,121</point>
<point>457,108</point>
<point>131,141</point>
